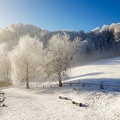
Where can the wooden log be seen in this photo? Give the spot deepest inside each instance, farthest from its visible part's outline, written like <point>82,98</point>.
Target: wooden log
<point>77,103</point>
<point>2,101</point>
<point>62,97</point>
<point>2,93</point>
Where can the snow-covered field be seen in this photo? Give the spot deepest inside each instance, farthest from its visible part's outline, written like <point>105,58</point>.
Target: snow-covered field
<point>44,103</point>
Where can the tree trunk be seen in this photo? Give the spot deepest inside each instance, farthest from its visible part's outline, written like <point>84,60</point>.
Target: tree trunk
<point>60,80</point>
<point>27,81</point>
<point>27,84</point>
<point>4,76</point>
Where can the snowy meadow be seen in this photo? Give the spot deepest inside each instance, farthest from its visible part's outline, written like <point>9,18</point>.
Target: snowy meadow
<point>44,103</point>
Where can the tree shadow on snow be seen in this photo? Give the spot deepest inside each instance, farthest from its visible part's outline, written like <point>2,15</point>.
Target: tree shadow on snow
<point>83,105</point>
<point>84,75</point>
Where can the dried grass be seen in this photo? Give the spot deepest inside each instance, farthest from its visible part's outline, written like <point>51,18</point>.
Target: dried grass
<point>4,83</point>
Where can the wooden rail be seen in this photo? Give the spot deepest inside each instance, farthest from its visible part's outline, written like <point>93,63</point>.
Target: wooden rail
<point>77,83</point>
<point>84,84</point>
<point>90,84</point>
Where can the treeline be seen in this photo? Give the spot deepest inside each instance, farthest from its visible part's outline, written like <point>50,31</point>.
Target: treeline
<point>95,44</point>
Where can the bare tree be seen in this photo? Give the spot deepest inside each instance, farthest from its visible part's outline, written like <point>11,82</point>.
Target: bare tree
<point>25,60</point>
<point>60,53</point>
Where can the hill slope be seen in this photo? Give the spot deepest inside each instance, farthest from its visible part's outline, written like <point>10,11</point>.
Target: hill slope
<point>106,70</point>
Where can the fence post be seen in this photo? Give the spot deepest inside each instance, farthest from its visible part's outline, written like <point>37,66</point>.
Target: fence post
<point>78,82</point>
<point>101,85</point>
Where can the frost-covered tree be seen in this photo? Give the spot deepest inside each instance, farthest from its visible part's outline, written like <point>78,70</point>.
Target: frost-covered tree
<point>60,53</point>
<point>26,60</point>
<point>15,31</point>
<point>105,40</point>
<point>4,61</point>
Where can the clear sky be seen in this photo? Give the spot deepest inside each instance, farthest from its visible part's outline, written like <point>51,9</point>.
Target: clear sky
<point>60,14</point>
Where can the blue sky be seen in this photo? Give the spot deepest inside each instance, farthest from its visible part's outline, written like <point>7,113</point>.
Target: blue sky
<point>60,14</point>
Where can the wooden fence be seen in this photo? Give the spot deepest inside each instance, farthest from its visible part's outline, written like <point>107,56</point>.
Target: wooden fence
<point>101,85</point>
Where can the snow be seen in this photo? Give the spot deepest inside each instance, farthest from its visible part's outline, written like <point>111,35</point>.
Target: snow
<point>103,70</point>
<point>44,103</point>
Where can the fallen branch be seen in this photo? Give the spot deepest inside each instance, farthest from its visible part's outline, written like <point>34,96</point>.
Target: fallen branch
<point>76,103</point>
<point>2,93</point>
<point>61,97</point>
